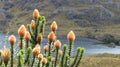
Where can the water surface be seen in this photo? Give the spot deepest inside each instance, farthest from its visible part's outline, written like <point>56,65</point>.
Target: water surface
<point>89,44</point>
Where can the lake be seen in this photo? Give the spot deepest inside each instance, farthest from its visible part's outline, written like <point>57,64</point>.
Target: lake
<point>89,44</point>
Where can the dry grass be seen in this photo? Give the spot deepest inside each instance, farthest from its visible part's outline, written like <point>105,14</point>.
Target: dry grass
<point>101,60</point>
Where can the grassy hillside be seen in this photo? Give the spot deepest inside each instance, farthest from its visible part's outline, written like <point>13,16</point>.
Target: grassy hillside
<point>88,18</point>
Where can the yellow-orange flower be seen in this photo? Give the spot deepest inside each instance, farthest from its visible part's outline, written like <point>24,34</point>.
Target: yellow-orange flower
<point>51,36</point>
<point>36,50</point>
<point>6,55</point>
<point>57,44</point>
<point>44,61</point>
<point>54,26</point>
<point>1,52</point>
<point>53,59</point>
<point>27,36</point>
<point>37,46</point>
<point>60,53</point>
<point>71,36</point>
<point>32,24</point>
<point>22,31</point>
<point>36,14</point>
<point>12,39</point>
<point>39,36</point>
<point>40,56</point>
<point>46,48</point>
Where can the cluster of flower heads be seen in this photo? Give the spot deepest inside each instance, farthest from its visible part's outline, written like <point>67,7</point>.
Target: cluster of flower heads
<point>30,42</point>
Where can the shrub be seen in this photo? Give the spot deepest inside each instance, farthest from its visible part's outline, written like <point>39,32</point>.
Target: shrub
<point>30,41</point>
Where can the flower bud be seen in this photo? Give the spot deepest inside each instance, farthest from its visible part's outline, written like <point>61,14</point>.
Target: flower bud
<point>40,56</point>
<point>44,61</point>
<point>32,25</point>
<point>39,37</point>
<point>12,39</point>
<point>35,13</point>
<point>36,50</point>
<point>54,26</point>
<point>53,59</point>
<point>46,48</point>
<point>60,53</point>
<point>22,31</point>
<point>27,36</point>
<point>6,55</point>
<point>71,36</point>
<point>51,36</point>
<point>57,44</point>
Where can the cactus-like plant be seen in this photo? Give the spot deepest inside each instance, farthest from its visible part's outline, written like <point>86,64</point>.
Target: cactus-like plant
<point>30,55</point>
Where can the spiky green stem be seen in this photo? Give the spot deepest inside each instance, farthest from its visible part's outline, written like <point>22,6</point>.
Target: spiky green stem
<point>49,51</point>
<point>12,53</point>
<point>5,65</point>
<point>81,55</point>
<point>66,60</point>
<point>39,63</point>
<point>43,65</point>
<point>70,48</point>
<point>56,57</point>
<point>0,59</point>
<point>26,52</point>
<point>33,61</point>
<point>75,60</point>
<point>21,43</point>
<point>63,56</point>
<point>20,58</point>
<point>49,61</point>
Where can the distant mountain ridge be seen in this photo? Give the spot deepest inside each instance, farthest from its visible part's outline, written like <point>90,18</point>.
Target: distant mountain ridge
<point>68,13</point>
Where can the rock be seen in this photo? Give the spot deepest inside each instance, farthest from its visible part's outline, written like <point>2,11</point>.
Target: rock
<point>8,5</point>
<point>111,45</point>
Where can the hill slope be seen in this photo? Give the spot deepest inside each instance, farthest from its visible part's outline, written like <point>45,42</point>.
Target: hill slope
<point>82,16</point>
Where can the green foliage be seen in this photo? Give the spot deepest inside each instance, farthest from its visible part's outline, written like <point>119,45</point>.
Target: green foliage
<point>29,49</point>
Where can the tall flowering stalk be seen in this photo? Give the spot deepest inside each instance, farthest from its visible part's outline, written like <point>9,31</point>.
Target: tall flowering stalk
<point>21,32</point>
<point>6,56</point>
<point>44,61</point>
<point>57,45</point>
<point>12,41</point>
<point>27,38</point>
<point>71,38</point>
<point>40,58</point>
<point>51,38</point>
<point>35,52</point>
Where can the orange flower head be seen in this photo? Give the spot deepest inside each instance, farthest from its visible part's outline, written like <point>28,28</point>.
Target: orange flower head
<point>44,61</point>
<point>53,59</point>
<point>54,26</point>
<point>40,56</point>
<point>1,52</point>
<point>12,39</point>
<point>27,36</point>
<point>37,46</point>
<point>71,36</point>
<point>60,53</point>
<point>6,55</point>
<point>36,14</point>
<point>32,25</point>
<point>51,36</point>
<point>36,50</point>
<point>22,31</point>
<point>46,48</point>
<point>39,36</point>
<point>57,44</point>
